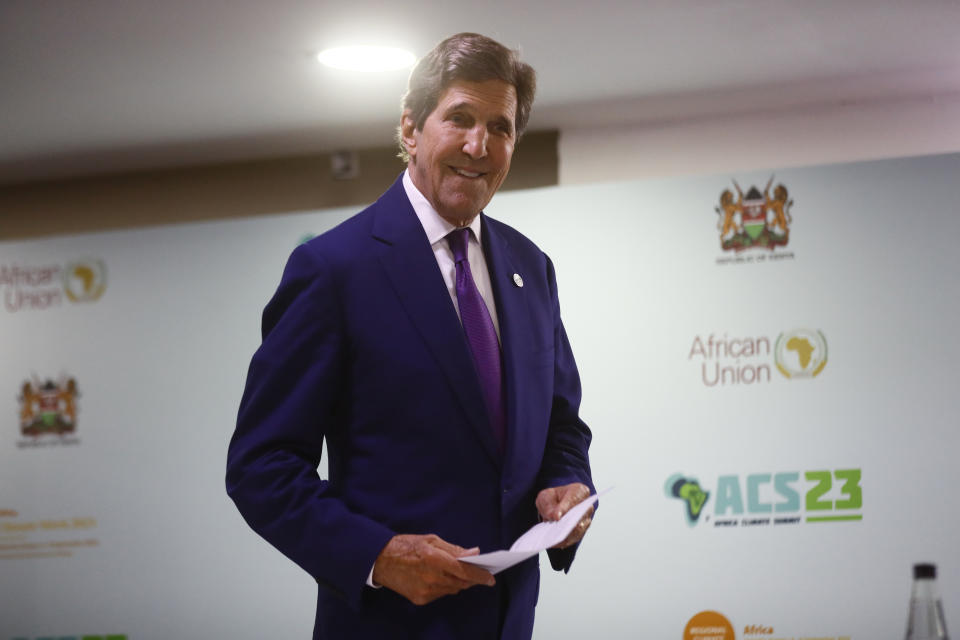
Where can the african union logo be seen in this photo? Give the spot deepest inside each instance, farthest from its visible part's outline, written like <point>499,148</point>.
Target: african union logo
<point>688,490</point>
<point>85,280</point>
<point>755,220</point>
<point>48,408</point>
<point>801,353</point>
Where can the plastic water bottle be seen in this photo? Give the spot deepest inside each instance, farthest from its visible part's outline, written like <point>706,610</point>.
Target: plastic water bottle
<point>926,620</point>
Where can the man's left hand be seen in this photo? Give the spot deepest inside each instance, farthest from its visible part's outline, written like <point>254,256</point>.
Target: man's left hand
<point>554,502</point>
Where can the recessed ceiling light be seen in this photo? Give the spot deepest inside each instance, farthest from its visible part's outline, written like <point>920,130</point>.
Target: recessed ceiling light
<point>367,58</point>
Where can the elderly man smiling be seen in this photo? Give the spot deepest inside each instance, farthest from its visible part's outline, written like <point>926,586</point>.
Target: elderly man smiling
<point>422,340</point>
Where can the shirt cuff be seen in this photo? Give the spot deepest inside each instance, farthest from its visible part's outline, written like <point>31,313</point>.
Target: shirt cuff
<point>370,580</point>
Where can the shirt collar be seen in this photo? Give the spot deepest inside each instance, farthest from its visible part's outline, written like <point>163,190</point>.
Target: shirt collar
<point>435,227</point>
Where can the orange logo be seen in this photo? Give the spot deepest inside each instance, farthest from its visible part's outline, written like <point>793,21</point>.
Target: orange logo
<point>709,625</point>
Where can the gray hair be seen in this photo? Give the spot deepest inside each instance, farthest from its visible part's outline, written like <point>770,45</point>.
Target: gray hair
<point>474,58</point>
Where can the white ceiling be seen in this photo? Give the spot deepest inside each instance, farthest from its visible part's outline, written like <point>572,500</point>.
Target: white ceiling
<point>89,86</point>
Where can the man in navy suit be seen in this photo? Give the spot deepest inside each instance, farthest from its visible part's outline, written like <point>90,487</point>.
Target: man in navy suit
<point>422,340</point>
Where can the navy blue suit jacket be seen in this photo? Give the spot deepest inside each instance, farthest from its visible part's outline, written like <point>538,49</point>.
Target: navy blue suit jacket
<point>362,347</point>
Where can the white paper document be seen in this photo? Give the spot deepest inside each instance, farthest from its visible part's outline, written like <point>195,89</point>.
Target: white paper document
<point>538,538</point>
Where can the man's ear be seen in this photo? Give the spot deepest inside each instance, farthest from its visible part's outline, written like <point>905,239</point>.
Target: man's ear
<point>408,129</point>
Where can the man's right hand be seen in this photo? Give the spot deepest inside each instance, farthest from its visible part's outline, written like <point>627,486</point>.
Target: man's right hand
<point>423,568</point>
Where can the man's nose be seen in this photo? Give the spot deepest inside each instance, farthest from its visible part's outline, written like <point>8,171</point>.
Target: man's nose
<point>475,144</point>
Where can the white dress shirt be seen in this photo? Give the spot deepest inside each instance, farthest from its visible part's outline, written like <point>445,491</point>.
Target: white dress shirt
<point>437,229</point>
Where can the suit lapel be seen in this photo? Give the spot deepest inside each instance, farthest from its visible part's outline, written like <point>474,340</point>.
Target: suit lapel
<point>411,268</point>
<point>515,337</point>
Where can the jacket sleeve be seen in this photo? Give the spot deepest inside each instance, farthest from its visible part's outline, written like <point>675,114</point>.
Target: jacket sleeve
<point>565,457</point>
<point>289,404</point>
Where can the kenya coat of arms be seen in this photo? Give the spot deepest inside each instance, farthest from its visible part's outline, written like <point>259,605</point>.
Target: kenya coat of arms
<point>48,407</point>
<point>754,219</point>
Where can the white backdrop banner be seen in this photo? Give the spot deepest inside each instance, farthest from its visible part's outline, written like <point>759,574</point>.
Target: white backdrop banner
<point>767,361</point>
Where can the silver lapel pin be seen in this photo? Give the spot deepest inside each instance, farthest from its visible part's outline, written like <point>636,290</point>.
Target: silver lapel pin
<point>517,280</point>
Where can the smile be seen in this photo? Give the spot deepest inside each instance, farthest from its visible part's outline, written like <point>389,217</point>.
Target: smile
<point>465,173</point>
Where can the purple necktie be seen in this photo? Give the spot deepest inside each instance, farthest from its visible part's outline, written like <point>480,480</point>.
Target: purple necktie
<point>480,334</point>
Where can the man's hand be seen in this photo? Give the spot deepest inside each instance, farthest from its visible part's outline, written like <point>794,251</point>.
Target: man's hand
<point>424,568</point>
<point>554,502</point>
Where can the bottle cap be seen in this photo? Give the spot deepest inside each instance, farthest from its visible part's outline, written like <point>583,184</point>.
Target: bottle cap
<point>925,570</point>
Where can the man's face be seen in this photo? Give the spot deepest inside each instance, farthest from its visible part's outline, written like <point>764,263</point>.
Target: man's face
<point>462,154</point>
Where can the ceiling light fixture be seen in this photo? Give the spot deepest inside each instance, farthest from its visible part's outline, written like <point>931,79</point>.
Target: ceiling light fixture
<point>367,58</point>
